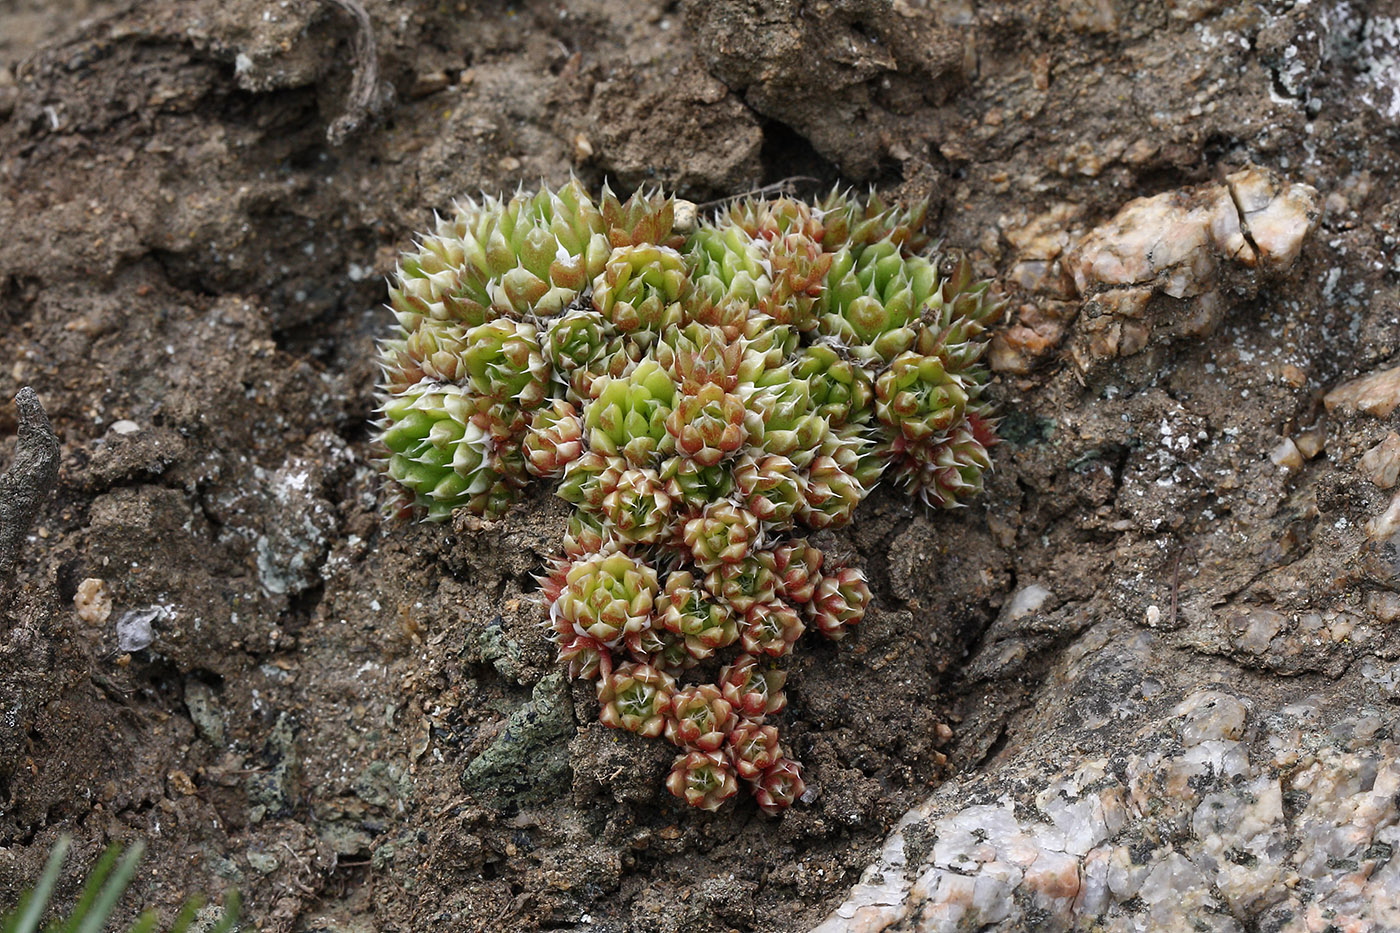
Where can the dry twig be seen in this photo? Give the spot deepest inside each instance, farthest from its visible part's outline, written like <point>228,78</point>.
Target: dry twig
<point>362,101</point>
<point>29,481</point>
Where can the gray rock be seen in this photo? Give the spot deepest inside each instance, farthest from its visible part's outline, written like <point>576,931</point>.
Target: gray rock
<point>528,764</point>
<point>271,791</point>
<point>205,712</point>
<point>1188,811</point>
<point>135,630</point>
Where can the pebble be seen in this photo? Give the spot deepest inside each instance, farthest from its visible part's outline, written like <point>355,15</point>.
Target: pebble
<point>134,630</point>
<point>1028,599</point>
<point>1381,464</point>
<point>93,601</point>
<point>1375,394</point>
<point>1287,455</point>
<point>1170,240</point>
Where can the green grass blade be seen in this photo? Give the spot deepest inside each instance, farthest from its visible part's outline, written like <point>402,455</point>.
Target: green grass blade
<point>91,888</point>
<point>187,914</point>
<point>106,902</point>
<point>26,918</point>
<point>231,904</point>
<point>146,923</point>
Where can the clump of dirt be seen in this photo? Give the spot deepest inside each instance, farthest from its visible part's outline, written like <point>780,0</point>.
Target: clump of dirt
<point>194,287</point>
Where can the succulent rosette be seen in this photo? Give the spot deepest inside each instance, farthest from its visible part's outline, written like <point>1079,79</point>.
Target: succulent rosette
<point>662,649</point>
<point>647,217</point>
<point>605,596</point>
<point>917,396</point>
<point>781,419</point>
<point>700,354</point>
<point>779,786</point>
<point>701,718</point>
<point>627,417</point>
<point>696,393</point>
<point>704,780</point>
<point>772,628</point>
<point>841,391</point>
<point>837,479</point>
<point>723,533</point>
<point>708,425</point>
<point>875,300</point>
<point>796,565</point>
<point>849,221</point>
<point>588,478</point>
<point>694,485</point>
<point>770,485</point>
<point>554,440</point>
<point>443,454</point>
<point>946,471</point>
<point>839,602</point>
<point>687,610</point>
<point>728,269</point>
<point>800,268</point>
<point>638,507</point>
<point>754,748</point>
<point>433,351</point>
<point>575,345</point>
<point>637,698</point>
<point>531,254</point>
<point>642,287</point>
<point>742,584</point>
<point>772,219</point>
<point>753,690</point>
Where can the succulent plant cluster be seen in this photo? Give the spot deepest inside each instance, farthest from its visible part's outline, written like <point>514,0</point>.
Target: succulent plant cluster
<point>700,392</point>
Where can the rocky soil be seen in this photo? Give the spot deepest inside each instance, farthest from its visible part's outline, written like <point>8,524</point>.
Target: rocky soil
<point>1149,681</point>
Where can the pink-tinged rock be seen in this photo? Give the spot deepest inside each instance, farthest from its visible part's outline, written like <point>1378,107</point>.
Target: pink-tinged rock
<point>1376,394</point>
<point>1381,464</point>
<point>1162,240</point>
<point>1055,876</point>
<point>1276,216</point>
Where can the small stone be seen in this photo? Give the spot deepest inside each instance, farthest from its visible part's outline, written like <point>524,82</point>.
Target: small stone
<point>93,601</point>
<point>1259,626</point>
<point>429,83</point>
<point>262,863</point>
<point>1381,464</point>
<point>134,629</point>
<point>1294,375</point>
<point>1384,525</point>
<point>1027,600</point>
<point>1310,442</point>
<point>1385,606</point>
<point>685,216</point>
<point>1176,244</point>
<point>180,783</point>
<point>1210,715</point>
<point>1287,455</point>
<point>583,149</point>
<point>205,712</point>
<point>1035,335</point>
<point>1277,216</point>
<point>1375,394</point>
<point>528,763</point>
